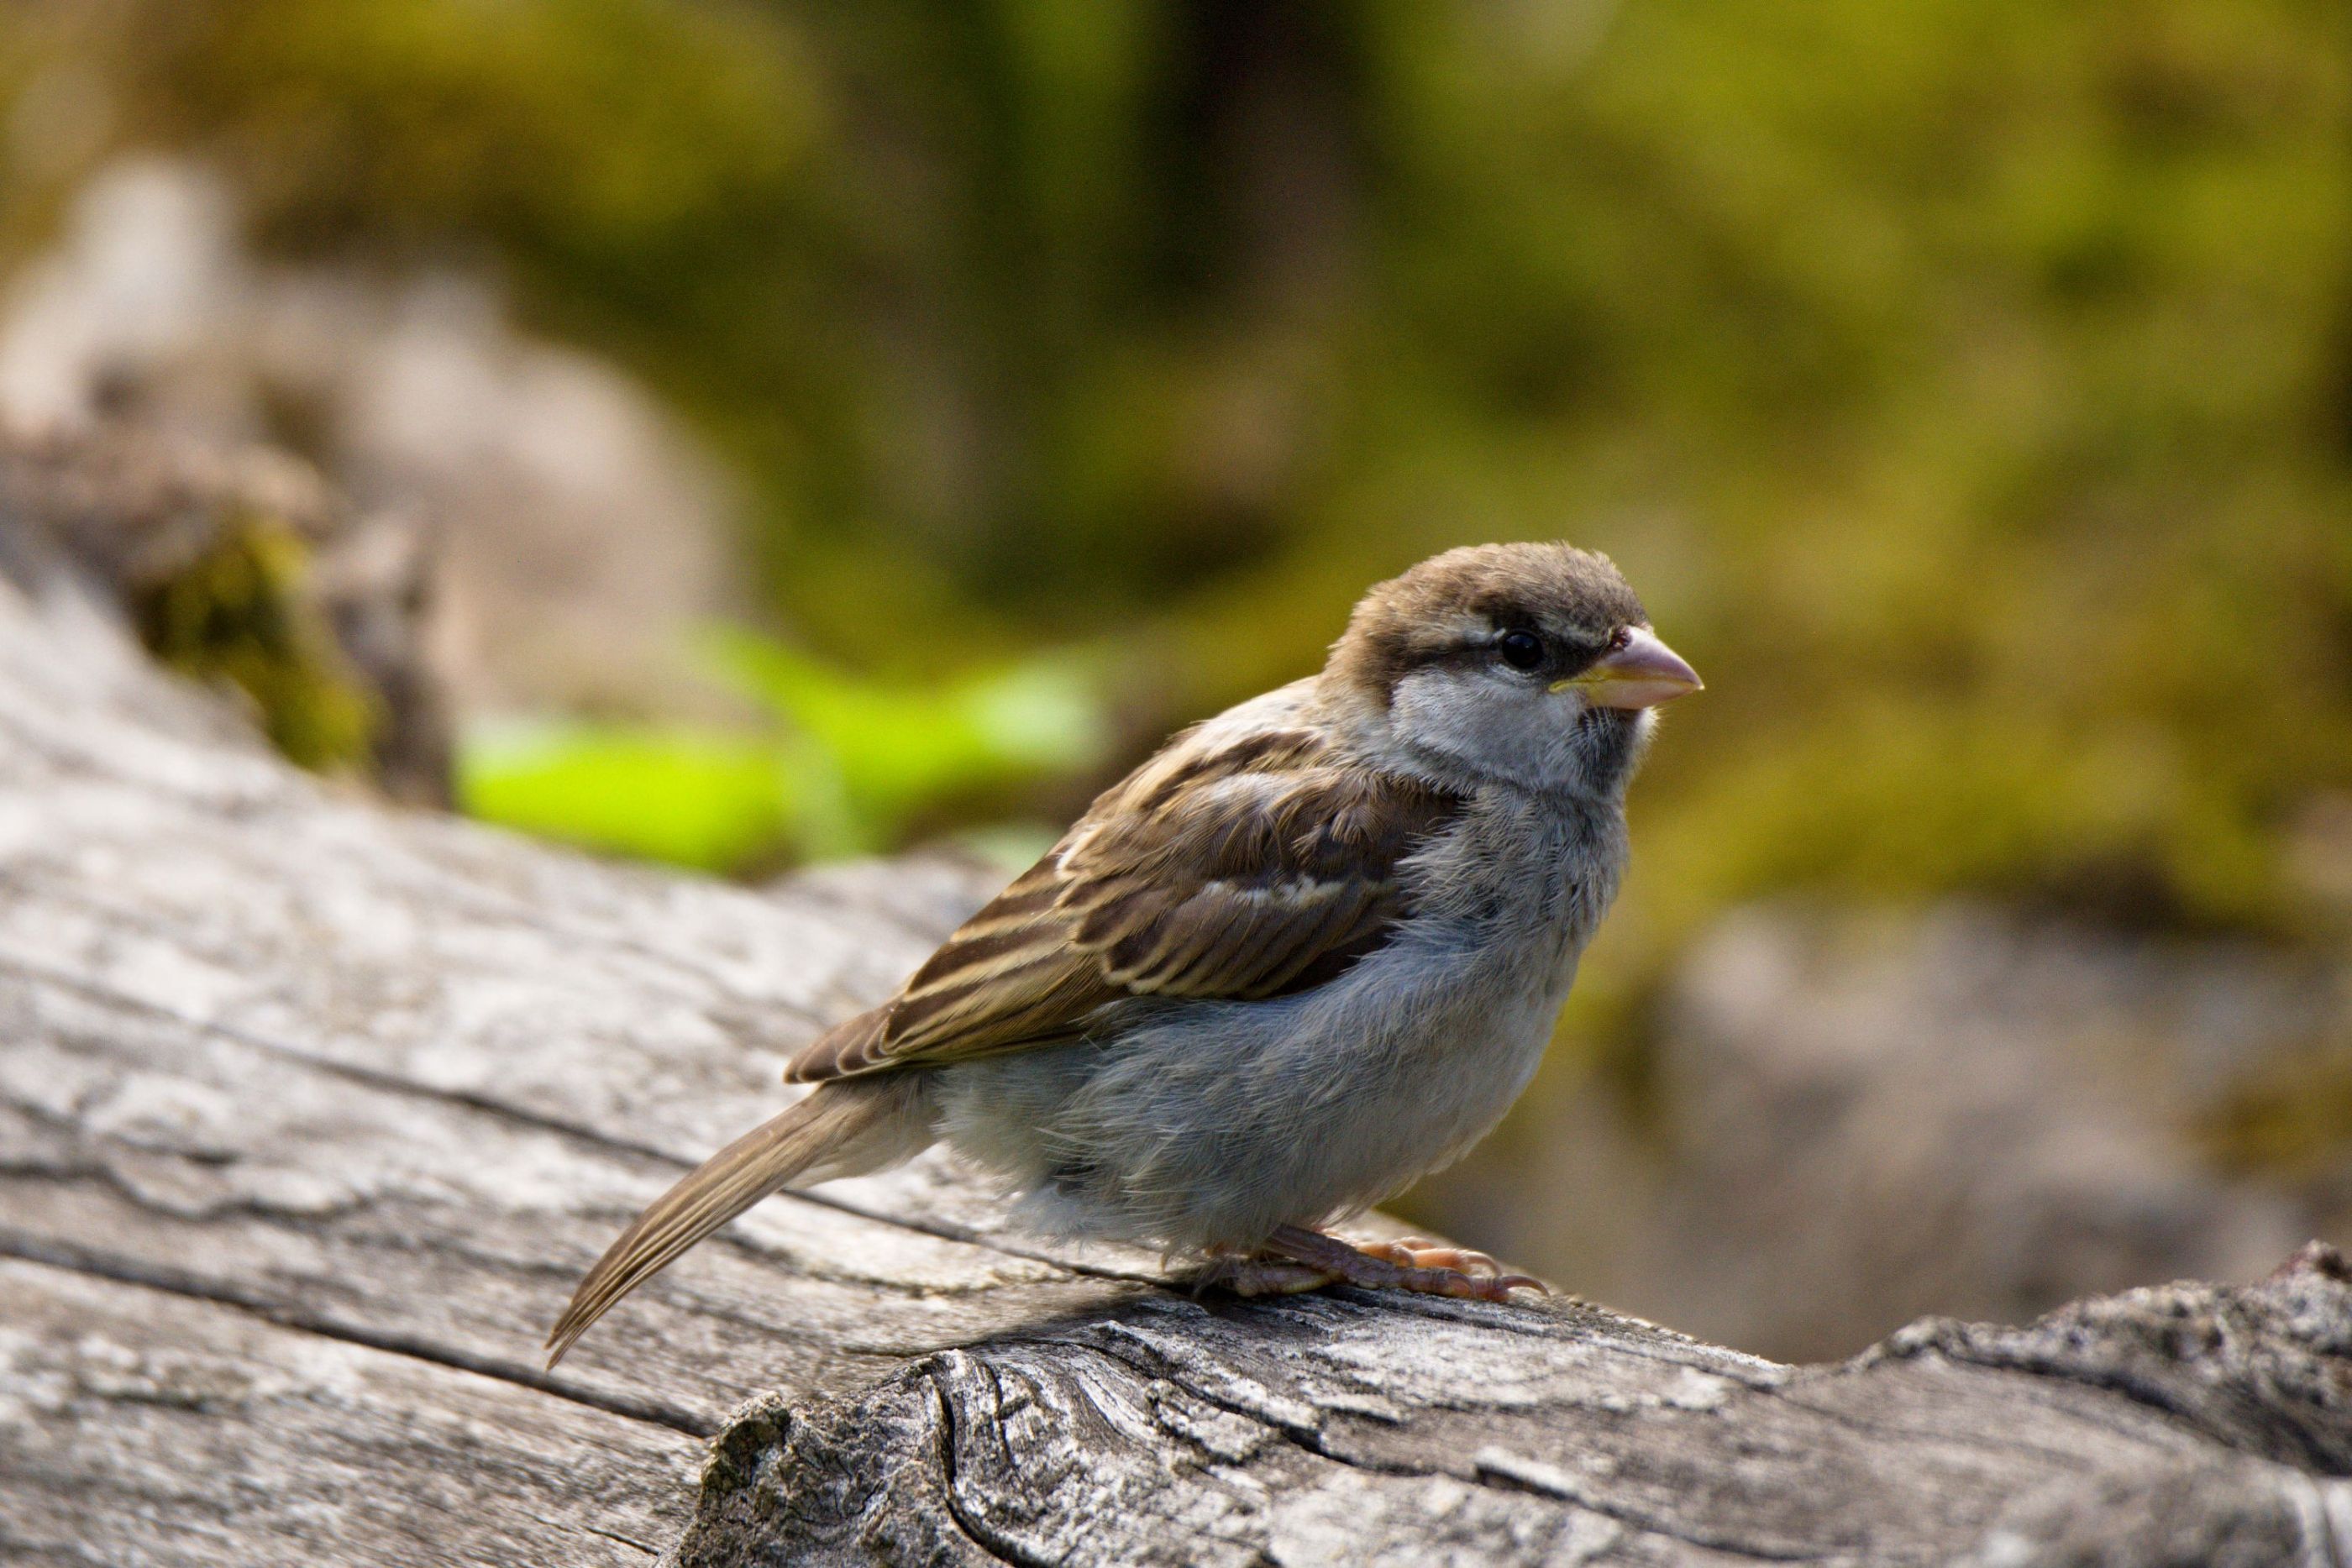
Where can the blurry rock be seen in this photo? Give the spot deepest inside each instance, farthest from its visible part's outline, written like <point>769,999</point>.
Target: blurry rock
<point>1860,1120</point>
<point>577,533</point>
<point>145,300</point>
<point>1975,1115</point>
<point>582,536</point>
<point>243,567</point>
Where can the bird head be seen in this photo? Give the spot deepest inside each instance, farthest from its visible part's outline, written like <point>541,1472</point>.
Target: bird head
<point>1530,664</point>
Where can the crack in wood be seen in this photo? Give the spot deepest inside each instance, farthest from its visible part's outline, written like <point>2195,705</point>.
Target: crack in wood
<point>130,1272</point>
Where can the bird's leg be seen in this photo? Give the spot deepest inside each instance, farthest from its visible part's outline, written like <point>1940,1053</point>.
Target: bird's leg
<point>1414,1264</point>
<point>1257,1274</point>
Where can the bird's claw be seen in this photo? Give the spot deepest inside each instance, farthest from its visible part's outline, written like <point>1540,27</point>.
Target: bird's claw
<point>1297,1260</point>
<point>1422,1255</point>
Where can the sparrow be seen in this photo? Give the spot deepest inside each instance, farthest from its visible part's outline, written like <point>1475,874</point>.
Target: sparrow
<point>1309,952</point>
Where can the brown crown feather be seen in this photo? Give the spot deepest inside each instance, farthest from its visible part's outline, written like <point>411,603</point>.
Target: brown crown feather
<point>1468,593</point>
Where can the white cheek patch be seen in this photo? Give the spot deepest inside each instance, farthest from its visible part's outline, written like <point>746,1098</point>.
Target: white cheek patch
<point>1495,726</point>
<point>1440,709</point>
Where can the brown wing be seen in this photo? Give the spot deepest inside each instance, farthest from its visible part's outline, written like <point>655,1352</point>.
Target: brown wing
<point>1248,867</point>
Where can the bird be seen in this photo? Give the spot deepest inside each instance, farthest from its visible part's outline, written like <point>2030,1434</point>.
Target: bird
<point>1308,953</point>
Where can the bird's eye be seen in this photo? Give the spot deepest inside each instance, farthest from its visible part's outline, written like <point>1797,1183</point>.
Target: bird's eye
<point>1521,650</point>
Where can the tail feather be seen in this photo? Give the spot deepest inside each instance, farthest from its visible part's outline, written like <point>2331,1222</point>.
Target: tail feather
<point>845,1128</point>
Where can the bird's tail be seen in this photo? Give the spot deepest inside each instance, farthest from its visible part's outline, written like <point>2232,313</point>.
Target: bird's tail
<point>847,1127</point>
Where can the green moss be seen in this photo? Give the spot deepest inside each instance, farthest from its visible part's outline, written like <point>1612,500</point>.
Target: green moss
<point>238,613</point>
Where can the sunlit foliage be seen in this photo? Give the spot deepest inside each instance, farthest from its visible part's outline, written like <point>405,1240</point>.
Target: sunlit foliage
<point>844,765</point>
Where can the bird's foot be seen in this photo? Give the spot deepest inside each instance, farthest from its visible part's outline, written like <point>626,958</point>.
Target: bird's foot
<point>1443,1258</point>
<point>1295,1260</point>
<point>1259,1276</point>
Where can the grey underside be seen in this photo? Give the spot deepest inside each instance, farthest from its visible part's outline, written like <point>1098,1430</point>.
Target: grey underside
<point>1212,1122</point>
<point>1184,1123</point>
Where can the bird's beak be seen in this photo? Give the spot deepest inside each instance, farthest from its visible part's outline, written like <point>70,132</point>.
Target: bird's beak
<point>1642,673</point>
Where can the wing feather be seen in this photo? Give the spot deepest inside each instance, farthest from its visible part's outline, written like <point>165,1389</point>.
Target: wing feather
<point>1244,866</point>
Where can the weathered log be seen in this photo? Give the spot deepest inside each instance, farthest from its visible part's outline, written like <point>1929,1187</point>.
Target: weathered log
<point>311,1110</point>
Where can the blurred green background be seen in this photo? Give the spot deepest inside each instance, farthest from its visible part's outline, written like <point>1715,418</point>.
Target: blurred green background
<point>1966,387</point>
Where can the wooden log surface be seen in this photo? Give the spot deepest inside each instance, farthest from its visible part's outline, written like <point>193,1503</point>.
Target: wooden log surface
<point>312,1109</point>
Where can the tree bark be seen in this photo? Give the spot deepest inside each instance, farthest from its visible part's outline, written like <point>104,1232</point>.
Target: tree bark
<point>311,1111</point>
